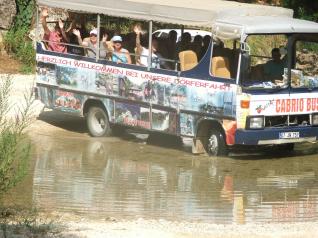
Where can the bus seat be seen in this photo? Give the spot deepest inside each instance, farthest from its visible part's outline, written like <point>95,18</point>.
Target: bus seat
<point>221,67</point>
<point>188,60</point>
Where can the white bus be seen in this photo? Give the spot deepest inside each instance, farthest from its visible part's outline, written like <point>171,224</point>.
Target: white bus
<point>237,94</point>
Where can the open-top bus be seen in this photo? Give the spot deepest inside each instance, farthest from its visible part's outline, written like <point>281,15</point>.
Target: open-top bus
<point>225,99</point>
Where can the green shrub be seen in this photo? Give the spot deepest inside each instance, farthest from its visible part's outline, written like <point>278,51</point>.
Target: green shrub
<point>17,41</point>
<point>14,145</point>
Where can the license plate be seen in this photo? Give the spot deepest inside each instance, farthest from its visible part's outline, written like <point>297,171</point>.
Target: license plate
<point>288,135</point>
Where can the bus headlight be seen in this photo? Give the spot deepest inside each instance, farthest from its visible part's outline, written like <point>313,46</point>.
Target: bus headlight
<point>256,122</point>
<point>314,119</point>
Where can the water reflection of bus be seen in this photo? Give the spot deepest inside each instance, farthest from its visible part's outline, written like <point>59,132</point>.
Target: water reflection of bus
<point>101,179</point>
<point>224,98</point>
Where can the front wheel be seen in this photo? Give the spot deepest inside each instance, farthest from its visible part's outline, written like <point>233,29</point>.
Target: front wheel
<point>97,122</point>
<point>216,144</point>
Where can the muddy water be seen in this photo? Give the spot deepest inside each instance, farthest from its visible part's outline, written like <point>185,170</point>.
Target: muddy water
<point>127,178</point>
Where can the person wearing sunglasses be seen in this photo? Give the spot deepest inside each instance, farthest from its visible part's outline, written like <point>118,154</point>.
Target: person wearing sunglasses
<point>90,43</point>
<point>119,54</point>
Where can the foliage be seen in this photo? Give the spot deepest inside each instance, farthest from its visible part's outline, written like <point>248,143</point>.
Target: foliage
<point>17,41</point>
<point>25,10</point>
<point>304,9</point>
<point>14,146</point>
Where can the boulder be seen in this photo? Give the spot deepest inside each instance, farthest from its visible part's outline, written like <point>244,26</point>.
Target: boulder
<point>8,10</point>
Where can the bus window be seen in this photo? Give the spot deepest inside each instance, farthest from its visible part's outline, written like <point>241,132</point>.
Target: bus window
<point>305,72</point>
<point>263,66</point>
<point>224,59</point>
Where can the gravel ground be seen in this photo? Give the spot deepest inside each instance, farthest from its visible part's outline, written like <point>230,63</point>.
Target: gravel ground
<point>161,228</point>
<point>80,227</point>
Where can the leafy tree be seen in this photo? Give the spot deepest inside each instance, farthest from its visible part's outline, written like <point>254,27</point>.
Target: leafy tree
<point>304,9</point>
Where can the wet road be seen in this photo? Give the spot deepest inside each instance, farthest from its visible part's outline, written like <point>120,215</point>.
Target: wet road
<point>128,178</point>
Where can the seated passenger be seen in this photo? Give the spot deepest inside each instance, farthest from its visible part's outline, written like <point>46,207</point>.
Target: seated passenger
<point>142,51</point>
<point>196,45</point>
<point>78,23</point>
<point>206,43</point>
<point>129,43</point>
<point>91,43</point>
<point>172,44</point>
<point>185,43</point>
<point>274,69</point>
<point>55,38</point>
<point>119,54</point>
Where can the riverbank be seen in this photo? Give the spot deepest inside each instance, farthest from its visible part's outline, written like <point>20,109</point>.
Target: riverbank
<point>70,225</point>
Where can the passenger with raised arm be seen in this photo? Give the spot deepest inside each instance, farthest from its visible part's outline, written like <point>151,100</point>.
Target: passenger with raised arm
<point>90,43</point>
<point>55,38</point>
<point>142,51</point>
<point>119,54</point>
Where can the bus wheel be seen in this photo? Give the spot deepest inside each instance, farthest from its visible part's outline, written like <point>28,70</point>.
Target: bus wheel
<point>97,122</point>
<point>216,144</point>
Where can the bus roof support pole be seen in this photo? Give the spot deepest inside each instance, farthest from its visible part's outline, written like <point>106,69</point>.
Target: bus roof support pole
<point>98,38</point>
<point>150,46</point>
<point>37,25</point>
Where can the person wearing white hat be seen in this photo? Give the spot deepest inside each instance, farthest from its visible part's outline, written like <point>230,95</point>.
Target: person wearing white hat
<point>91,43</point>
<point>119,54</point>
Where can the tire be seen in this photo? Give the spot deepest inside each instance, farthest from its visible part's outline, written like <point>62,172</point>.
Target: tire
<point>97,122</point>
<point>216,145</point>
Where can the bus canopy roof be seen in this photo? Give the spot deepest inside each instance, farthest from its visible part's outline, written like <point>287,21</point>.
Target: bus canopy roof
<point>186,12</point>
<point>237,27</point>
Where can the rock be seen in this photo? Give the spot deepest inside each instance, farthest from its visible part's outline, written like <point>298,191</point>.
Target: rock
<point>8,10</point>
<point>2,49</point>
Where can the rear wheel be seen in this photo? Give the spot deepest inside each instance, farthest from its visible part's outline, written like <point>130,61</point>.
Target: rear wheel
<point>216,145</point>
<point>97,122</point>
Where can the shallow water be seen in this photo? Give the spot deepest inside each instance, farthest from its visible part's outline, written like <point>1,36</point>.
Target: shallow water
<point>127,178</point>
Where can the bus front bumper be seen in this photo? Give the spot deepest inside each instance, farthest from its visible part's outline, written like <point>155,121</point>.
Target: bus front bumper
<point>271,135</point>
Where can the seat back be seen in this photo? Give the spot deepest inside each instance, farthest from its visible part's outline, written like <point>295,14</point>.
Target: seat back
<point>221,67</point>
<point>188,60</point>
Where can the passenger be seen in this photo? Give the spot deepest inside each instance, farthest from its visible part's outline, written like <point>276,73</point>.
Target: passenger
<point>274,68</point>
<point>129,43</point>
<point>185,43</point>
<point>163,53</point>
<point>142,51</point>
<point>56,38</point>
<point>78,23</point>
<point>119,54</point>
<point>196,45</point>
<point>172,45</point>
<point>91,43</point>
<point>206,43</point>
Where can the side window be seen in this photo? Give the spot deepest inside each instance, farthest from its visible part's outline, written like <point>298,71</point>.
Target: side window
<point>264,64</point>
<point>224,59</point>
<point>305,72</point>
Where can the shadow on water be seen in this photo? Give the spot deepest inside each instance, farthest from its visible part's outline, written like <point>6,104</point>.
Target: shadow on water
<point>78,125</point>
<point>274,152</point>
<point>64,121</point>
